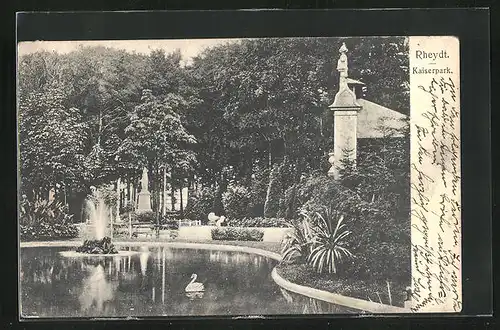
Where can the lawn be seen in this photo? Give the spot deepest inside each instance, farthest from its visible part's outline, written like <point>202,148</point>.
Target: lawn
<point>351,287</point>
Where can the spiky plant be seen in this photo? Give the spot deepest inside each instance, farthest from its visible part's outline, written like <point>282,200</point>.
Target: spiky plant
<point>296,245</point>
<point>329,243</point>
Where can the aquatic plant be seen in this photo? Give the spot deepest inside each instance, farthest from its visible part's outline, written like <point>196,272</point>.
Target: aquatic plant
<point>102,246</point>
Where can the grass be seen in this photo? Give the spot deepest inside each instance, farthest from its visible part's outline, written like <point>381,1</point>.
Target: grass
<point>367,290</point>
<point>269,246</point>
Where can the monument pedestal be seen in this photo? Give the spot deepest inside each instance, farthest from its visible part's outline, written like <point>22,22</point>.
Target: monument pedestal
<point>144,198</point>
<point>144,202</point>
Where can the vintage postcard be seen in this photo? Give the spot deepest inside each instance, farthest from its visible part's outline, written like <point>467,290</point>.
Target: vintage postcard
<point>239,177</point>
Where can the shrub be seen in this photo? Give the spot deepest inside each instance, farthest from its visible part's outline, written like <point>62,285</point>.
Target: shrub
<point>146,217</point>
<point>236,234</point>
<point>381,261</point>
<point>171,224</point>
<point>235,201</point>
<point>318,240</point>
<point>48,231</point>
<point>296,246</point>
<point>45,220</point>
<point>200,204</point>
<point>257,222</point>
<point>43,212</point>
<point>128,207</point>
<point>377,231</point>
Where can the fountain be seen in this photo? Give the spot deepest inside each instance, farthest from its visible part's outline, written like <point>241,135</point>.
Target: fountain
<point>100,245</point>
<point>97,211</point>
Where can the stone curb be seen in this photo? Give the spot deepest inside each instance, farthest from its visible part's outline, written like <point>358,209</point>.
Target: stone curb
<point>336,299</point>
<point>333,298</point>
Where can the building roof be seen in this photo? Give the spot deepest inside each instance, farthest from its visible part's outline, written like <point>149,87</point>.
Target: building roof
<point>376,121</point>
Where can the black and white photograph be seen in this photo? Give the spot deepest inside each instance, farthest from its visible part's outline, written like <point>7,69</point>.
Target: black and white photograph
<point>226,177</point>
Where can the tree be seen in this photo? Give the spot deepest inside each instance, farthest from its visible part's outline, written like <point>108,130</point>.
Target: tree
<point>267,99</point>
<point>156,137</point>
<point>52,138</point>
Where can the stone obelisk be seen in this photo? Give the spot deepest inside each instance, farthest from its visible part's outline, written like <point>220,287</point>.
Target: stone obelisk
<point>144,198</point>
<point>345,111</point>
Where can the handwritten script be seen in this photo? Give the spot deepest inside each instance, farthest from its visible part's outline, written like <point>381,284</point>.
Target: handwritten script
<point>435,178</point>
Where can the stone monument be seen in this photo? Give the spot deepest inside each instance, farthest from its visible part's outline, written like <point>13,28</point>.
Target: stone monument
<point>144,198</point>
<point>345,111</point>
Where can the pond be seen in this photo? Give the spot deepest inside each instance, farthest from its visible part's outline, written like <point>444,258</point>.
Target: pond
<point>152,283</point>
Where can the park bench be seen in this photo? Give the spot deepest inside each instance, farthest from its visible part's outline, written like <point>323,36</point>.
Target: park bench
<point>189,223</point>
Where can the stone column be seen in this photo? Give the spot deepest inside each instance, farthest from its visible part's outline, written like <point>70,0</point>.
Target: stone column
<point>345,111</point>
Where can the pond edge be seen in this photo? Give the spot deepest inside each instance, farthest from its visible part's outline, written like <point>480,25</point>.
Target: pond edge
<point>330,297</point>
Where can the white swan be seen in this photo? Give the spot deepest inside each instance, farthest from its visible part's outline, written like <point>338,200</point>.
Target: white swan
<point>194,286</point>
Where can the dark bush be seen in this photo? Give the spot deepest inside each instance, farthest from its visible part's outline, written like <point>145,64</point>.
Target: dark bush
<point>383,261</point>
<point>145,217</point>
<point>374,197</point>
<point>235,201</point>
<point>171,224</point>
<point>200,204</point>
<point>237,234</point>
<point>128,207</point>
<point>257,222</point>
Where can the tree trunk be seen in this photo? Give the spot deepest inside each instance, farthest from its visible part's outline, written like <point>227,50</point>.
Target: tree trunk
<point>65,195</point>
<point>172,190</point>
<point>181,201</point>
<point>99,128</point>
<point>270,156</point>
<point>134,194</point>
<point>118,198</point>
<point>218,206</point>
<point>157,194</point>
<point>164,191</point>
<point>128,191</point>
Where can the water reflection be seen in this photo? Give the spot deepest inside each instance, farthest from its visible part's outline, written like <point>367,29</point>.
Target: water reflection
<point>314,306</point>
<point>236,258</point>
<point>152,283</point>
<point>144,257</point>
<point>96,290</point>
<point>194,295</point>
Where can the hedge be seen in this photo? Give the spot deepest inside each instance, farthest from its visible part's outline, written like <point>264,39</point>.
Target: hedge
<point>237,234</point>
<point>257,222</point>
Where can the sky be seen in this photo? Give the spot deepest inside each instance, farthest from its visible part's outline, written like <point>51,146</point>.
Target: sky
<point>188,47</point>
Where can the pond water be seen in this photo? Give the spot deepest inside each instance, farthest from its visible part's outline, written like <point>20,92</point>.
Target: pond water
<point>152,283</point>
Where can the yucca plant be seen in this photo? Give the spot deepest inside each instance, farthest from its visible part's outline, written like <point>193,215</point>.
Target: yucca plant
<point>43,212</point>
<point>296,245</point>
<point>329,244</point>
